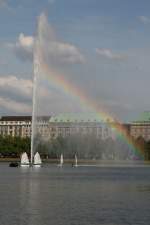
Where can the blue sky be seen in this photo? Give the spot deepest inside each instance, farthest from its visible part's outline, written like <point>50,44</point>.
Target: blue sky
<point>112,35</point>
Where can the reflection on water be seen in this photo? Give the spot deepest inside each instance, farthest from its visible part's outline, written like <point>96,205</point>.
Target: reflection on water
<point>29,196</point>
<point>144,188</point>
<point>75,196</point>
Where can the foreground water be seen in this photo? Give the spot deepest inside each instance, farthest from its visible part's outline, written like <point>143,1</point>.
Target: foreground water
<point>107,195</point>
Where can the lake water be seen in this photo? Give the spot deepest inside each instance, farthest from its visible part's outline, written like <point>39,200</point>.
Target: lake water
<point>87,195</point>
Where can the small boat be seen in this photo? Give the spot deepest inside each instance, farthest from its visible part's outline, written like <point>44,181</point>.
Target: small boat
<point>37,160</point>
<point>61,160</point>
<point>24,160</point>
<point>13,164</point>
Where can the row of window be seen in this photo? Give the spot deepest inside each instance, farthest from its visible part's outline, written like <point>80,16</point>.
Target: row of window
<point>99,129</point>
<point>14,122</point>
<point>140,130</point>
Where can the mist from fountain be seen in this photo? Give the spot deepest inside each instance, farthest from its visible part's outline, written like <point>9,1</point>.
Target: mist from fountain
<point>48,100</point>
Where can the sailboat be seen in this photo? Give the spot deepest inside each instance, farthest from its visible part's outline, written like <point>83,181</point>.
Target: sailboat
<point>76,161</point>
<point>61,160</point>
<point>24,160</point>
<point>37,160</point>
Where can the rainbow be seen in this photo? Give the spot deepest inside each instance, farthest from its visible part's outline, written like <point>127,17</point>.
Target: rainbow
<point>58,80</point>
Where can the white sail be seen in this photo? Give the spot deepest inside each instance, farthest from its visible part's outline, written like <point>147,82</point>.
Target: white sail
<point>76,161</point>
<point>24,159</point>
<point>37,159</point>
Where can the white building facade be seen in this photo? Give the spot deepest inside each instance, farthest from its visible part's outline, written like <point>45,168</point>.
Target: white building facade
<point>141,127</point>
<point>20,126</point>
<point>15,126</point>
<point>68,124</point>
<point>62,125</point>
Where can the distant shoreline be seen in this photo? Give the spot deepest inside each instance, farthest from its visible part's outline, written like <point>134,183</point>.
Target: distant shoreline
<point>80,161</point>
<point>18,160</point>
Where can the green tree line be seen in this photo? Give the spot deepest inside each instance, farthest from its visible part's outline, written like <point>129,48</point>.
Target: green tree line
<point>86,147</point>
<point>13,146</point>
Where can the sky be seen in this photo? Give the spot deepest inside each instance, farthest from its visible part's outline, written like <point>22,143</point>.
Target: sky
<point>100,46</point>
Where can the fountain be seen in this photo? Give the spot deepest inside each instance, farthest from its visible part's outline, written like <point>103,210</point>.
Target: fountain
<point>61,160</point>
<point>34,105</point>
<point>76,161</point>
<point>86,134</point>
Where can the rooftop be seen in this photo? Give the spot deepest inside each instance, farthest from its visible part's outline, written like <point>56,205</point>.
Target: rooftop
<point>15,118</point>
<point>76,118</point>
<point>23,118</point>
<point>143,117</point>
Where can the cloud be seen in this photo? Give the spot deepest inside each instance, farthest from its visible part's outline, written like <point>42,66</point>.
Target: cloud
<point>16,97</point>
<point>21,87</point>
<point>109,54</point>
<point>55,51</point>
<point>144,19</point>
<point>58,52</point>
<point>16,94</point>
<point>14,85</point>
<point>23,48</point>
<point>14,106</point>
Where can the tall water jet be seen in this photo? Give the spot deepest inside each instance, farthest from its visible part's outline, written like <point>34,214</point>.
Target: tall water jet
<point>35,65</point>
<point>34,96</point>
<point>37,109</point>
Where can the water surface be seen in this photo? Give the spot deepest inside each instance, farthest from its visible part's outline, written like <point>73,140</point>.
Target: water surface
<point>87,195</point>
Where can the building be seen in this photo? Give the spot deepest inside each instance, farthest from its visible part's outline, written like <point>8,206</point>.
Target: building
<point>68,124</point>
<point>61,125</point>
<point>141,126</point>
<point>43,128</point>
<point>15,126</point>
<point>21,126</point>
